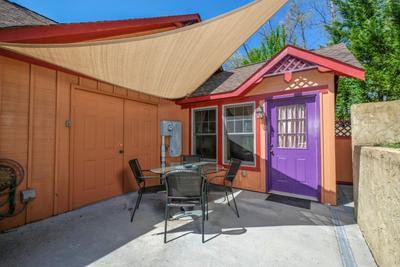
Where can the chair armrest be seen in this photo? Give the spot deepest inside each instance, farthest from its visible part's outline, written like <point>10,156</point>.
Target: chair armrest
<point>150,177</point>
<point>214,177</point>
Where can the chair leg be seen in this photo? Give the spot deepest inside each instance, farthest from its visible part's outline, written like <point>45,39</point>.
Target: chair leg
<point>226,195</point>
<point>166,220</point>
<point>207,202</point>
<point>203,208</point>
<point>234,201</point>
<point>137,204</point>
<point>140,199</point>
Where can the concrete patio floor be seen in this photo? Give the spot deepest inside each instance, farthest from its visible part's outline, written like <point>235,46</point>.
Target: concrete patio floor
<point>266,234</point>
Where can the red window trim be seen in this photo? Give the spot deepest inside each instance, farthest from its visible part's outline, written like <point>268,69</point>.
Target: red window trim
<point>320,88</point>
<point>219,106</point>
<point>256,98</point>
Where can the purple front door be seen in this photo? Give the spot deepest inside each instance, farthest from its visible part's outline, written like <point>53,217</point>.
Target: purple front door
<point>294,146</point>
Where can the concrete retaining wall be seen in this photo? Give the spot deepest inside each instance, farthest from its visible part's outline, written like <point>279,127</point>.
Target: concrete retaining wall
<point>376,178</point>
<point>379,202</point>
<point>372,124</point>
<point>375,123</point>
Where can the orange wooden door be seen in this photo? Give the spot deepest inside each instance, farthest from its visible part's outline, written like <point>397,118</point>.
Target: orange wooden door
<point>97,138</point>
<point>140,139</point>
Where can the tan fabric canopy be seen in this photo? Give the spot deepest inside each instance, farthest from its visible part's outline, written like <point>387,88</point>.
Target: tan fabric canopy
<point>170,64</point>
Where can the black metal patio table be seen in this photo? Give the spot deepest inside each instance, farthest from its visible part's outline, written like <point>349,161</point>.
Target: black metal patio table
<point>206,168</point>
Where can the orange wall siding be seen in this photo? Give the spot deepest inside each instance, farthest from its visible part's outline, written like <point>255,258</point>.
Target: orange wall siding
<point>42,141</point>
<point>256,180</point>
<point>140,134</point>
<point>303,79</point>
<point>63,106</point>
<point>344,169</point>
<point>328,153</point>
<point>168,110</point>
<point>35,102</point>
<point>14,121</point>
<point>307,79</point>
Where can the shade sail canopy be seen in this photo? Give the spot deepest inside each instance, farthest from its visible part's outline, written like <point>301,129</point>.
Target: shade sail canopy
<point>170,64</point>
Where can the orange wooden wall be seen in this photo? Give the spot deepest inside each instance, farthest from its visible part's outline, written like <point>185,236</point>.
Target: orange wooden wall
<point>34,104</point>
<point>256,180</point>
<point>36,101</point>
<point>344,169</point>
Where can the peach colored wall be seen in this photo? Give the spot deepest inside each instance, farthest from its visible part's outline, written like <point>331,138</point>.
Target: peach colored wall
<point>303,79</point>
<point>328,152</point>
<point>14,121</point>
<point>34,104</point>
<point>168,110</point>
<point>344,167</point>
<point>255,180</point>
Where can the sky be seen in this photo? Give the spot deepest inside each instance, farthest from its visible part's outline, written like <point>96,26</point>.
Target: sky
<point>67,11</point>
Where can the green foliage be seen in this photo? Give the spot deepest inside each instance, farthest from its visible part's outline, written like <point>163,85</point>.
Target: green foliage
<point>271,44</point>
<point>395,145</point>
<point>371,29</point>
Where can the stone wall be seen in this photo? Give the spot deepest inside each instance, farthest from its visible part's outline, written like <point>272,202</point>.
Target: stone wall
<point>372,124</point>
<point>376,178</point>
<point>375,123</point>
<point>379,202</point>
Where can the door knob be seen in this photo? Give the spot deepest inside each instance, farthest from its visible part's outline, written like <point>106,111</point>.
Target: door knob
<point>121,151</point>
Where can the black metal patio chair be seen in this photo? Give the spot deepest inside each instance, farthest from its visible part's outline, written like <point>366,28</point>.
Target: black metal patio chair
<point>185,188</point>
<point>141,182</point>
<point>187,159</point>
<point>229,176</point>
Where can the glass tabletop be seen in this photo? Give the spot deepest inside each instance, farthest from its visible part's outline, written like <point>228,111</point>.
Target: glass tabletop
<point>206,167</point>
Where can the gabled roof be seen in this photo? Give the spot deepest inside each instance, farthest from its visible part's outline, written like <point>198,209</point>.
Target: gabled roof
<point>337,57</point>
<point>226,81</point>
<point>341,53</point>
<point>13,15</point>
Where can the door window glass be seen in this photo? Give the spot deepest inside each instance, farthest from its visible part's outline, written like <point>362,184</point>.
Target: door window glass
<point>292,126</point>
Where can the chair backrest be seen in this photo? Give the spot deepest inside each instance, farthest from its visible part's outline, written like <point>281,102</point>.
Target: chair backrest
<point>184,184</point>
<point>136,170</point>
<point>234,167</point>
<point>190,159</point>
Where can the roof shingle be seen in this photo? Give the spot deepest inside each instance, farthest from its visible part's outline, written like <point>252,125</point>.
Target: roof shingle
<point>14,15</point>
<point>341,53</point>
<point>227,81</point>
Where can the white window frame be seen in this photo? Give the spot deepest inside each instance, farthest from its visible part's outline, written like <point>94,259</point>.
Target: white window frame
<point>193,147</point>
<point>244,163</point>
